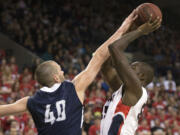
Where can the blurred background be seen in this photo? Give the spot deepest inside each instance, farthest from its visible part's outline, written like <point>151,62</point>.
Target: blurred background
<point>67,31</point>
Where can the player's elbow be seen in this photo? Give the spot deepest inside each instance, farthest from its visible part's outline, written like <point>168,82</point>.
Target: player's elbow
<point>99,57</point>
<point>112,51</point>
<point>112,48</point>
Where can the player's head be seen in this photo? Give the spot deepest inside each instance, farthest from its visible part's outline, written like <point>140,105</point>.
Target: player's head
<point>49,73</point>
<point>144,72</point>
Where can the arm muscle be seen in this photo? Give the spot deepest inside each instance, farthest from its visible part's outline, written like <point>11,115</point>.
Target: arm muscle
<point>17,107</point>
<point>130,80</point>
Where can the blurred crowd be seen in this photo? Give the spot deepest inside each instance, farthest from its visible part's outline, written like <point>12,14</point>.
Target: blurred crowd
<point>56,29</point>
<point>13,86</point>
<point>68,32</point>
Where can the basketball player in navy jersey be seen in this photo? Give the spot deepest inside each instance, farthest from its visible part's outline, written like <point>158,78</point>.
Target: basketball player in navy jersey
<point>57,107</point>
<point>121,112</point>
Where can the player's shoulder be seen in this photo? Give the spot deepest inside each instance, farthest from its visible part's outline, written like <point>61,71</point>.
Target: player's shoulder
<point>144,97</point>
<point>144,92</point>
<point>33,98</point>
<point>119,91</point>
<point>67,83</point>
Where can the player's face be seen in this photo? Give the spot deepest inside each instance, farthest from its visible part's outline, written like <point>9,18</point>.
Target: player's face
<point>60,74</point>
<point>136,67</point>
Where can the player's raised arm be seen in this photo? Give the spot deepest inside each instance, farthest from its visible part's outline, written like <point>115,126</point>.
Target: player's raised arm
<point>108,72</point>
<point>17,107</point>
<point>131,82</point>
<point>85,78</point>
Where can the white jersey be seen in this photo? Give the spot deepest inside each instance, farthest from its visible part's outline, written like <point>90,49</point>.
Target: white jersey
<point>130,115</point>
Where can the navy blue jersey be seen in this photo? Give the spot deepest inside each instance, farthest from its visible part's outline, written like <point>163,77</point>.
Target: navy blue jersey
<point>57,110</point>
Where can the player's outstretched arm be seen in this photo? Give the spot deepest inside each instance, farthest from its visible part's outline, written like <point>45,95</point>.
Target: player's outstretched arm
<point>17,107</point>
<point>85,78</point>
<point>131,83</point>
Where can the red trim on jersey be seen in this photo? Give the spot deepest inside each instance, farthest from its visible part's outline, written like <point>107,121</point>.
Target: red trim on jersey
<point>119,131</point>
<point>123,109</point>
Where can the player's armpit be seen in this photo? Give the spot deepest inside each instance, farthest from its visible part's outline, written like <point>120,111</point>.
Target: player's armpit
<point>17,107</point>
<point>131,82</point>
<point>130,98</point>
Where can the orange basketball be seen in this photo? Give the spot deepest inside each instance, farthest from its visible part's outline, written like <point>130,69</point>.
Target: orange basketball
<point>144,12</point>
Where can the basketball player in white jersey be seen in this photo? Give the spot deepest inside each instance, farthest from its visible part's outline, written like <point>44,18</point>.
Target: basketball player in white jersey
<point>122,111</point>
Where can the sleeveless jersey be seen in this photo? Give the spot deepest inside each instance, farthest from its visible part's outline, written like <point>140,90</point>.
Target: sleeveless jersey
<point>130,115</point>
<point>57,110</point>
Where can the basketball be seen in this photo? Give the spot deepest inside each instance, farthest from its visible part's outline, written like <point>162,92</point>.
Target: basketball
<point>144,12</point>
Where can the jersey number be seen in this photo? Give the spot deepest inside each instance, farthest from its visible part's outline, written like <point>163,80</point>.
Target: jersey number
<point>61,115</point>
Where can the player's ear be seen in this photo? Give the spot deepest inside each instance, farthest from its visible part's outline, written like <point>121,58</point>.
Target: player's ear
<point>56,78</point>
<point>142,76</point>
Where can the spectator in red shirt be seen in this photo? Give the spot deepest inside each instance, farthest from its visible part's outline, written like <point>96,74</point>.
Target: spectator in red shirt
<point>144,127</point>
<point>7,77</point>
<point>25,73</point>
<point>95,129</point>
<point>26,83</point>
<point>176,129</point>
<point>159,103</point>
<point>14,128</point>
<point>159,132</point>
<point>87,120</point>
<point>30,128</point>
<point>157,126</point>
<point>13,65</point>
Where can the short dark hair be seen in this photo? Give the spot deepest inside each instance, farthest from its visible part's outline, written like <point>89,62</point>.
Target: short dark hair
<point>44,73</point>
<point>148,71</point>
